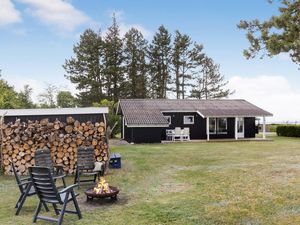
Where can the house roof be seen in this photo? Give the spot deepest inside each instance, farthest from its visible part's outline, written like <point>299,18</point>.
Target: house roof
<point>53,111</point>
<point>149,112</point>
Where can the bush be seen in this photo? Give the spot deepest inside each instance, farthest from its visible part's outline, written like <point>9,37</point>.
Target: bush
<point>273,127</point>
<point>288,131</point>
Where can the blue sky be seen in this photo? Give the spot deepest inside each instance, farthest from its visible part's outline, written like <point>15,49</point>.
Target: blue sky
<point>37,36</point>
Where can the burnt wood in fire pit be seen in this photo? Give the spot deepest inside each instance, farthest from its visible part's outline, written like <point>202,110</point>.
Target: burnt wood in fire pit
<point>90,194</point>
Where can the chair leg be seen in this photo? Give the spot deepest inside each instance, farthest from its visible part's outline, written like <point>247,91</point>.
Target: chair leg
<point>55,209</point>
<point>37,211</point>
<point>76,205</point>
<point>18,202</point>
<point>75,177</point>
<point>21,203</point>
<point>78,180</point>
<point>23,198</point>
<point>63,209</point>
<point>45,206</point>
<point>64,181</point>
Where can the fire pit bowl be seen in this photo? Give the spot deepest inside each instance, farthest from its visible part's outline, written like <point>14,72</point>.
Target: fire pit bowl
<point>90,194</point>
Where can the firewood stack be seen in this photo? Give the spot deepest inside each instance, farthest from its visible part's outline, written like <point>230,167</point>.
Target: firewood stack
<point>21,140</point>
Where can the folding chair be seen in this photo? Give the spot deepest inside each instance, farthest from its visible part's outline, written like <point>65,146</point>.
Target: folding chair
<point>43,182</point>
<point>85,165</point>
<point>43,158</point>
<point>25,187</point>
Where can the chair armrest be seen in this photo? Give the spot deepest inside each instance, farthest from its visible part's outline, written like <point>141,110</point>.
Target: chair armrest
<point>68,188</point>
<point>58,176</point>
<point>25,183</point>
<point>58,166</point>
<point>25,178</point>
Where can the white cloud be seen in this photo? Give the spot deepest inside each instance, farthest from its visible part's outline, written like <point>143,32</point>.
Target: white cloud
<point>57,13</point>
<point>8,13</point>
<point>272,93</point>
<point>284,56</point>
<point>125,27</point>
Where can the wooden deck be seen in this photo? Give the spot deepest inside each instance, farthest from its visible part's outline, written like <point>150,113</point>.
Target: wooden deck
<point>218,140</point>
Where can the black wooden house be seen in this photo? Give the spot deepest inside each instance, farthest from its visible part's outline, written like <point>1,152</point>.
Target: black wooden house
<point>146,120</point>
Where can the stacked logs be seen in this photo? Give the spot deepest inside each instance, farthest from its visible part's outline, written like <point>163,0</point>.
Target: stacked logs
<point>22,139</point>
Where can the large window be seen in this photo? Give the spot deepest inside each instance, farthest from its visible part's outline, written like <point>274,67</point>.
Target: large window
<point>188,120</point>
<point>218,125</point>
<point>222,125</point>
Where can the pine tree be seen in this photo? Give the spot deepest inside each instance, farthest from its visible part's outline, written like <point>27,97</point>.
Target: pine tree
<point>278,34</point>
<point>113,60</point>
<point>210,83</point>
<point>182,63</point>
<point>135,64</point>
<point>159,54</point>
<point>85,69</point>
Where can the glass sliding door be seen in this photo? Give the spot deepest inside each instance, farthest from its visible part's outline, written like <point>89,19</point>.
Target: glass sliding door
<point>240,127</point>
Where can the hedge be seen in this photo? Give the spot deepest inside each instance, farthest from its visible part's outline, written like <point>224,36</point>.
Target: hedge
<point>288,131</point>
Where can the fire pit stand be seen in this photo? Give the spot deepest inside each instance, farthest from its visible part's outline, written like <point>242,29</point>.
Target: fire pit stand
<point>91,194</point>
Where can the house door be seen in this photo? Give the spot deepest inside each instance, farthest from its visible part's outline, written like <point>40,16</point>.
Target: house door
<point>240,127</point>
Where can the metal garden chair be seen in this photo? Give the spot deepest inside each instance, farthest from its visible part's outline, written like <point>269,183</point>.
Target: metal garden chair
<point>186,134</point>
<point>43,158</point>
<point>43,182</point>
<point>85,165</point>
<point>26,189</point>
<point>177,134</point>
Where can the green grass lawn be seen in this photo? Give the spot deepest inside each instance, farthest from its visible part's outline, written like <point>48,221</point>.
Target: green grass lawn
<point>190,183</point>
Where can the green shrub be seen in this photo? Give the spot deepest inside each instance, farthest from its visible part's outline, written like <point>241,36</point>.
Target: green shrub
<point>273,127</point>
<point>288,131</point>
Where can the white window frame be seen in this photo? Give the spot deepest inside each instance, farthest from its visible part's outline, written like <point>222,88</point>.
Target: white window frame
<point>169,118</point>
<point>184,122</point>
<point>216,130</point>
<point>217,121</point>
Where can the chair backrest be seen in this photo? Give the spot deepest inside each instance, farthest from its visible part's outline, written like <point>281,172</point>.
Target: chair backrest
<point>43,158</point>
<point>18,179</point>
<point>169,132</point>
<point>86,157</point>
<point>177,131</point>
<point>186,131</point>
<point>44,184</point>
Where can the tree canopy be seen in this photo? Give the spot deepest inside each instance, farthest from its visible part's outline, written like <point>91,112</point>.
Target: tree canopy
<point>114,66</point>
<point>278,34</point>
<point>65,99</point>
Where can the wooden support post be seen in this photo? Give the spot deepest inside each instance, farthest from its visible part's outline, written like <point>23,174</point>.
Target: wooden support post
<point>264,127</point>
<point>207,128</point>
<point>236,128</point>
<point>123,127</point>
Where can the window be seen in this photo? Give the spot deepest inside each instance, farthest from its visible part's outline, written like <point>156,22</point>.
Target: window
<point>168,119</point>
<point>222,125</point>
<point>212,125</point>
<point>188,120</point>
<point>217,125</point>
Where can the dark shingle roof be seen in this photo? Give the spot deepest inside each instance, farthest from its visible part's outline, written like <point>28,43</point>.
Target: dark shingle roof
<point>148,112</point>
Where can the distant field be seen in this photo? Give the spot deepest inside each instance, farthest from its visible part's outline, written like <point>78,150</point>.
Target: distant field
<point>190,183</point>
